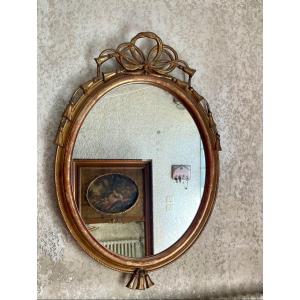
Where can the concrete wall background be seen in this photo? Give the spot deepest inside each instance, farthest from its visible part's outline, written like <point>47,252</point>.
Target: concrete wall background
<point>223,41</point>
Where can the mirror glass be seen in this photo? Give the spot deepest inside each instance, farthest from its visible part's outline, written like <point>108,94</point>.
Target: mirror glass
<point>138,170</point>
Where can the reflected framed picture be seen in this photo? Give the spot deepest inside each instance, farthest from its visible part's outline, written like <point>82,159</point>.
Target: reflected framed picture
<point>112,193</point>
<point>115,191</point>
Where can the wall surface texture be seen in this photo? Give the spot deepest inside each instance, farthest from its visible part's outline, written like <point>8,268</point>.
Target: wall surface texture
<point>223,41</point>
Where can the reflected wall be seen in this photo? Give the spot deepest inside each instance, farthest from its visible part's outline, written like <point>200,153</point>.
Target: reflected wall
<point>139,121</point>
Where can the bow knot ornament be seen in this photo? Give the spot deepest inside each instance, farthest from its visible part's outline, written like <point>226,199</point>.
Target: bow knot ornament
<point>160,59</point>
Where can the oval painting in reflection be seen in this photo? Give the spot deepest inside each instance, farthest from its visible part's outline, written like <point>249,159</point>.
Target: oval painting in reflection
<point>112,193</point>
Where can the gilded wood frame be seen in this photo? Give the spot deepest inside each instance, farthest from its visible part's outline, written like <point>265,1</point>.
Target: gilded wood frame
<point>152,70</point>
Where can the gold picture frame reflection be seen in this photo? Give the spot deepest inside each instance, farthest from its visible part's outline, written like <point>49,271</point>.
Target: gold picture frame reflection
<point>115,191</point>
<point>112,193</point>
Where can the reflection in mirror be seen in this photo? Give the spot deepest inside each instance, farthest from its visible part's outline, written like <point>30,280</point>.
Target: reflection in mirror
<point>112,193</point>
<point>138,170</point>
<point>125,239</point>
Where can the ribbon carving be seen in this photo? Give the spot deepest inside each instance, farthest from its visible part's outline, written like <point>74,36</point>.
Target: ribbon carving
<point>140,280</point>
<point>160,59</point>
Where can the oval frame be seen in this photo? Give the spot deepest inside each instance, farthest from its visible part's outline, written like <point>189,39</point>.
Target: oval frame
<point>81,103</point>
<point>116,213</point>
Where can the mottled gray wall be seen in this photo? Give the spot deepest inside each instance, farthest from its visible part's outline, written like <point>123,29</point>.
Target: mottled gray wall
<point>223,41</point>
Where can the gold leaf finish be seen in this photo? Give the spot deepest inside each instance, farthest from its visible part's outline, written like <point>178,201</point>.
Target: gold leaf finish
<point>152,68</point>
<point>160,59</point>
<point>140,280</point>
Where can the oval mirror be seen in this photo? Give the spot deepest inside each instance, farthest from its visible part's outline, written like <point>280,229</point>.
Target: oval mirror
<point>137,161</point>
<point>145,125</point>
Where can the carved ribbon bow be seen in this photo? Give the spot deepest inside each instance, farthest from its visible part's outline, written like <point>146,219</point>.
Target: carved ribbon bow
<point>161,59</point>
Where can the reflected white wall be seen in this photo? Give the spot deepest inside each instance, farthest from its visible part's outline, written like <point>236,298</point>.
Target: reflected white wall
<point>142,122</point>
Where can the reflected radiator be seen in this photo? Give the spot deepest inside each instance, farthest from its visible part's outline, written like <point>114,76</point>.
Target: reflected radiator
<point>130,248</point>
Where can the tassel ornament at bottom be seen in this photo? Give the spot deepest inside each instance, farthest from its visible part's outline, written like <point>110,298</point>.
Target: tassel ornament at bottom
<point>140,280</point>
